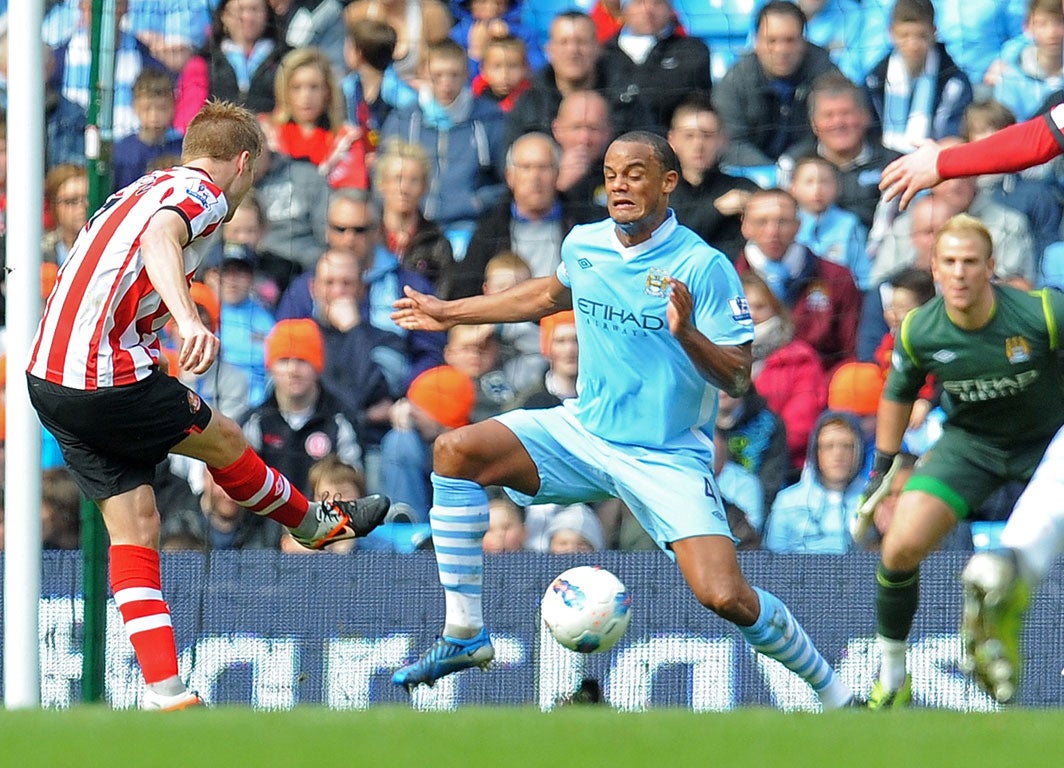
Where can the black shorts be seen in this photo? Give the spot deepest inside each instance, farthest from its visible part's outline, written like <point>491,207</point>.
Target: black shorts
<point>113,438</point>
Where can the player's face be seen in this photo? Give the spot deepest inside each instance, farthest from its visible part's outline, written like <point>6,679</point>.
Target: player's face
<point>771,223</point>
<point>779,45</point>
<point>963,270</point>
<point>308,95</point>
<point>637,190</point>
<point>697,139</point>
<point>840,123</point>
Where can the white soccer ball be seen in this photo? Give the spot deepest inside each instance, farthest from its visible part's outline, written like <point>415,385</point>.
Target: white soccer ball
<point>587,609</point>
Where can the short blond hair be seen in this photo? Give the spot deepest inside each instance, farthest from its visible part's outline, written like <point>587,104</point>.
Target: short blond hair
<point>221,131</point>
<point>393,152</point>
<point>966,225</point>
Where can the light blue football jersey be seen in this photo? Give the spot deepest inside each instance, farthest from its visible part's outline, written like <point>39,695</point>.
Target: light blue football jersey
<point>637,386</point>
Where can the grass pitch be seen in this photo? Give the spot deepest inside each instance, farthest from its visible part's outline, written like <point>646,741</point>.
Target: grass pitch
<point>382,737</point>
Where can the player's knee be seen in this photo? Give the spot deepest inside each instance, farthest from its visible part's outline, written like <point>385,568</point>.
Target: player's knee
<point>724,599</point>
<point>451,454</point>
<point>900,555</point>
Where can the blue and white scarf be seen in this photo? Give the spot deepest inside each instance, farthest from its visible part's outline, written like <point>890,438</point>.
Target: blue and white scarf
<point>908,105</point>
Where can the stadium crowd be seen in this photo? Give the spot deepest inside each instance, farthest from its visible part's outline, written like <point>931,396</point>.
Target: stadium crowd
<point>451,146</point>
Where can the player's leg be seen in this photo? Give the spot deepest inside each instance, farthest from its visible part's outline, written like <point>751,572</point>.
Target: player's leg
<point>711,568</point>
<point>921,521</point>
<point>132,523</point>
<point>464,461</point>
<point>241,472</point>
<point>997,584</point>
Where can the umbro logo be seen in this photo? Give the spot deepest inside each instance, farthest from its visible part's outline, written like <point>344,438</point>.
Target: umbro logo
<point>944,356</point>
<point>584,264</point>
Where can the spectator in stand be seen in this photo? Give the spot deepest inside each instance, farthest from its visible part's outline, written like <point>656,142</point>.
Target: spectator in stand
<point>652,61</point>
<point>576,64</point>
<point>558,344</point>
<point>1035,196</point>
<point>756,440</point>
<point>354,228</point>
<point>824,227</point>
<point>417,24</point>
<point>1013,248</point>
<point>329,478</point>
<point>1033,71</point>
<point>762,98</point>
<point>531,221</point>
<point>504,73</point>
<point>301,421</point>
<point>222,524</point>
<point>64,121</point>
<point>243,54</point>
<point>608,19</point>
<point>438,400</point>
<point>60,510</point>
<point>313,24</point>
<point>479,22</point>
<point>294,199</point>
<point>474,351</point>
<point>66,191</point>
<point>840,119</point>
<point>189,72</point>
<point>73,59</point>
<point>787,371</point>
<point>927,217</point>
<point>401,178</point>
<point>506,526</point>
<point>917,91</point>
<point>823,300</point>
<point>574,529</point>
<point>371,87</point>
<point>706,199</point>
<point>463,137</point>
<point>308,120</point>
<point>855,388</point>
<point>854,32</point>
<point>519,347</point>
<point>814,514</point>
<point>153,103</point>
<point>582,130</point>
<point>975,31</point>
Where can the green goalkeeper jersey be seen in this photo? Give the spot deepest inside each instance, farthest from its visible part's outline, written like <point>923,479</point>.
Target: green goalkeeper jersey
<point>1001,382</point>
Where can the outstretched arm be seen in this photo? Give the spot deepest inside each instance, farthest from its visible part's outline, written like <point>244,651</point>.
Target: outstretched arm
<point>726,367</point>
<point>1009,150</point>
<point>529,300</point>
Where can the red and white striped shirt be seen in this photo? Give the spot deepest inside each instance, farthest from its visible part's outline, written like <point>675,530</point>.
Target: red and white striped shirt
<point>101,320</point>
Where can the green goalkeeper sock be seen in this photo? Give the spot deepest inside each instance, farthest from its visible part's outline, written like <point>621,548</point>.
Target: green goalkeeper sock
<point>897,596</point>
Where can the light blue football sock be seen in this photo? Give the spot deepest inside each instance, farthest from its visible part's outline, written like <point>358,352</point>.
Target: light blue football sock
<point>778,635</point>
<point>459,519</point>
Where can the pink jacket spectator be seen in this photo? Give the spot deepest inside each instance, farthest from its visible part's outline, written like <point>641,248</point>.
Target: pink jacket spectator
<point>190,92</point>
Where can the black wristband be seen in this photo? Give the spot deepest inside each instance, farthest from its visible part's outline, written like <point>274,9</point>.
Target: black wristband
<point>881,461</point>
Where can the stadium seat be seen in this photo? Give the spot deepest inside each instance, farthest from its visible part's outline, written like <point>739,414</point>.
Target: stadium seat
<point>538,14</point>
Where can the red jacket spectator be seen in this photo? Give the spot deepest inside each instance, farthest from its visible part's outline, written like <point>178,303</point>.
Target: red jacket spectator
<point>796,389</point>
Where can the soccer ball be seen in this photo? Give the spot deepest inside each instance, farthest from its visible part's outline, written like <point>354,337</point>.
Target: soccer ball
<point>587,609</point>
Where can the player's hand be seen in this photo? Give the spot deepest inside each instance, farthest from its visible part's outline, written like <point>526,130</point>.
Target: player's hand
<point>911,173</point>
<point>418,311</point>
<point>199,347</point>
<point>681,305</point>
<point>884,466</point>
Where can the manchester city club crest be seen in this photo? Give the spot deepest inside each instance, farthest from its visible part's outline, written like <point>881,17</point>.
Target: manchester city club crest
<point>657,283</point>
<point>1017,350</point>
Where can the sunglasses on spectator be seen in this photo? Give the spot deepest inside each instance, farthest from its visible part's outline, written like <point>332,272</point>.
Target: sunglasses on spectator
<point>342,229</point>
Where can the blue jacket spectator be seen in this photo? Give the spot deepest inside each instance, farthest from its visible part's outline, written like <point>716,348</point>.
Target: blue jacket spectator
<point>511,17</point>
<point>838,236</point>
<point>813,515</point>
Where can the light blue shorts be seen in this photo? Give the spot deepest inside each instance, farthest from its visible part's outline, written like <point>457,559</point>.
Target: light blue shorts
<point>673,495</point>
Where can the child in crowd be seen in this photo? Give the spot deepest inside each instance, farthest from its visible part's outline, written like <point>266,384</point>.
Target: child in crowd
<point>153,103</point>
<point>330,478</point>
<point>826,229</point>
<point>308,121</point>
<point>1034,71</point>
<point>371,87</point>
<point>917,91</point>
<point>506,526</point>
<point>503,75</point>
<point>575,528</point>
<point>479,22</point>
<point>520,355</point>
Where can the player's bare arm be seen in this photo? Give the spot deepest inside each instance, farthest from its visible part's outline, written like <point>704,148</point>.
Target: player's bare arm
<point>911,173</point>
<point>529,300</point>
<point>161,246</point>
<point>892,420</point>
<point>726,367</point>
